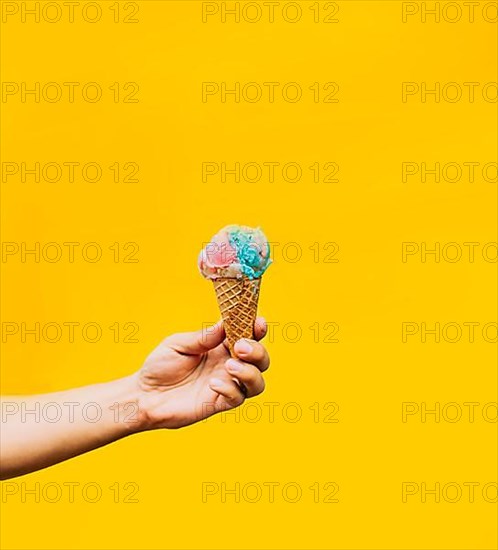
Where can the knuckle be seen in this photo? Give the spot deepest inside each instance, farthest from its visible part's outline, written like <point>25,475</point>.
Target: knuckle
<point>236,397</point>
<point>258,350</point>
<point>251,374</point>
<point>238,400</point>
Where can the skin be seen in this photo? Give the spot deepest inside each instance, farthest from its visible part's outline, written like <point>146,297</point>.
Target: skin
<point>187,378</point>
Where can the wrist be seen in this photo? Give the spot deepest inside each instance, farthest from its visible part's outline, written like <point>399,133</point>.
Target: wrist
<point>127,407</point>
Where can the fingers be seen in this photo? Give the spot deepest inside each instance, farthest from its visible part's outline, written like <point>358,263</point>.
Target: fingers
<point>229,390</point>
<point>248,375</point>
<point>260,330</point>
<point>195,343</point>
<point>252,352</point>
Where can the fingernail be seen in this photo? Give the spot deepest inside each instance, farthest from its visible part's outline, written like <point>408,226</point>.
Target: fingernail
<point>233,365</point>
<point>243,346</point>
<point>215,383</point>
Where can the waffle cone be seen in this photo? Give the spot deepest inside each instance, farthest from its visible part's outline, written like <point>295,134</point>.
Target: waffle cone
<point>238,303</point>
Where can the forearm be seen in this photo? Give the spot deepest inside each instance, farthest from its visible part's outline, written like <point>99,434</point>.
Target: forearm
<point>41,430</point>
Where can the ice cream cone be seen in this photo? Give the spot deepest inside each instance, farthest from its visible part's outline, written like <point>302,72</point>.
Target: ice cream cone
<point>238,303</point>
<point>235,259</point>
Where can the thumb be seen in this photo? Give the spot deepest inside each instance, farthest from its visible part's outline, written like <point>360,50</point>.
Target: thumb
<point>200,341</point>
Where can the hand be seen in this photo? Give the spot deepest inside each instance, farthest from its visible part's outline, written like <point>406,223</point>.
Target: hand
<point>190,376</point>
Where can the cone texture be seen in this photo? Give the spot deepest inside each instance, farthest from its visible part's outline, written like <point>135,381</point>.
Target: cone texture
<point>238,303</point>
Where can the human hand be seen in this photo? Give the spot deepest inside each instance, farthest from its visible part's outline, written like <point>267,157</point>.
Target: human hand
<point>188,377</point>
<point>191,376</point>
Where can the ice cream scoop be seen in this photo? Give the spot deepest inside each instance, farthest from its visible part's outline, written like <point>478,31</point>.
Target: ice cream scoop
<point>235,259</point>
<point>236,251</point>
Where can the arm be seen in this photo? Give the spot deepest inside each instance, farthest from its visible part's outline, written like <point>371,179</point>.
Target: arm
<point>187,378</point>
<point>41,430</point>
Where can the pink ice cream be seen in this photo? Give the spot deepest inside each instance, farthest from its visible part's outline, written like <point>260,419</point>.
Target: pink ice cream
<point>236,251</point>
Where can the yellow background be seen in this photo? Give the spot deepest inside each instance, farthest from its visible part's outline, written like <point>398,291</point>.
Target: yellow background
<point>170,212</point>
